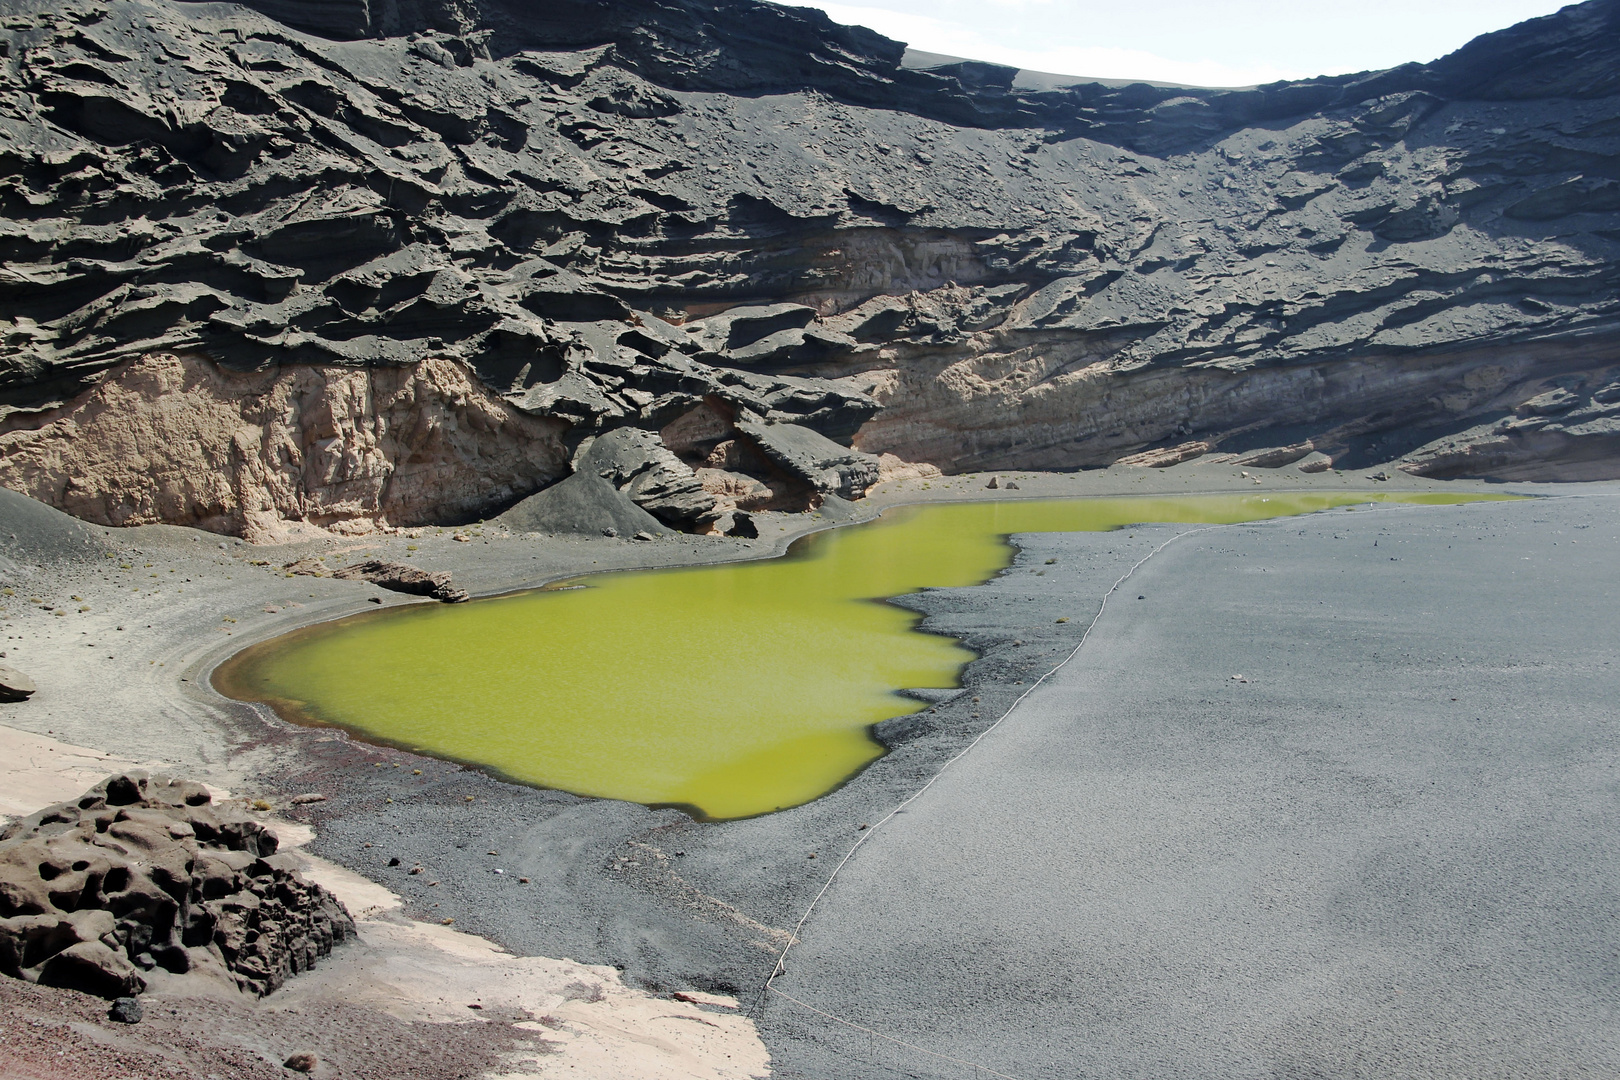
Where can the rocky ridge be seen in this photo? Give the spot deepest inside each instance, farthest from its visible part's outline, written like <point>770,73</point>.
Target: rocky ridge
<point>743,233</point>
<point>146,872</point>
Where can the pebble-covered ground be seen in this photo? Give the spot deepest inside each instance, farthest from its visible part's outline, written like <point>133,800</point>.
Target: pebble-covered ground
<point>50,1034</point>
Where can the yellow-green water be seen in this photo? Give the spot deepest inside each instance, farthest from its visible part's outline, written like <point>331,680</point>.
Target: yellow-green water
<point>731,690</point>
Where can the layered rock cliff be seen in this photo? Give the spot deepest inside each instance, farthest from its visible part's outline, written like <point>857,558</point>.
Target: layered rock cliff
<point>731,226</point>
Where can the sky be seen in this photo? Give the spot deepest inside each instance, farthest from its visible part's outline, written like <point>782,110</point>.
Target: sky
<point>1200,42</point>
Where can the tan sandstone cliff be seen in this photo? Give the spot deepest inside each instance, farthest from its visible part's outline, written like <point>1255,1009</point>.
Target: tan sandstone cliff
<point>265,455</point>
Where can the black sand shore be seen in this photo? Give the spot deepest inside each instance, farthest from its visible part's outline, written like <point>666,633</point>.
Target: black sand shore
<point>676,904</point>
<point>1329,796</point>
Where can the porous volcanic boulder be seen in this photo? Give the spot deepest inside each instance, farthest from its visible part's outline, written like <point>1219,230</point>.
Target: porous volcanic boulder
<point>145,871</point>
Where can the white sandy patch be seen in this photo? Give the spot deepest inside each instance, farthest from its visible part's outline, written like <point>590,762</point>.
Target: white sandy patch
<point>588,1025</point>
<point>37,770</point>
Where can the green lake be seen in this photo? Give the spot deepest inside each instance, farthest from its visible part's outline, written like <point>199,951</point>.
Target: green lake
<point>728,690</point>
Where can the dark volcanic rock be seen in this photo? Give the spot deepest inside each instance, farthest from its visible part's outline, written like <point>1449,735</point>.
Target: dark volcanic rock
<point>303,1062</point>
<point>609,213</point>
<point>126,1010</point>
<point>404,579</point>
<point>14,685</point>
<point>814,458</point>
<point>1570,433</point>
<point>637,463</point>
<point>389,575</point>
<point>144,871</point>
<point>583,504</point>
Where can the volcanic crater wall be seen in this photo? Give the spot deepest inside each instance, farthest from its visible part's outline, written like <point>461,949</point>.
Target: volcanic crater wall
<point>572,218</point>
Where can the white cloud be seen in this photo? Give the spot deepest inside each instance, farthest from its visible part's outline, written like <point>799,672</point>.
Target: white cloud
<point>1102,62</point>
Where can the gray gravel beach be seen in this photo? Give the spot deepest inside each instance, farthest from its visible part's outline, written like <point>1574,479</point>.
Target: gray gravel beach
<point>1329,796</point>
<point>1150,868</point>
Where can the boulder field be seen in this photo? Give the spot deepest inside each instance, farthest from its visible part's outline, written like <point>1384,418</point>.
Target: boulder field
<point>371,264</point>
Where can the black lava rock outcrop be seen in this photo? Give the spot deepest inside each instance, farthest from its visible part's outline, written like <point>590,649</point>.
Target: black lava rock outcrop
<point>680,215</point>
<point>145,872</point>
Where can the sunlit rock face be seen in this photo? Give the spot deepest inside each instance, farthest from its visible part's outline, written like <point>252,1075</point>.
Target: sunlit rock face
<point>270,455</point>
<point>622,214</point>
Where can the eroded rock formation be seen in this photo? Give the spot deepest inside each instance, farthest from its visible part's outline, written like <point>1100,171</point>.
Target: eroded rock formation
<point>689,217</point>
<point>143,872</point>
<point>397,577</point>
<point>177,439</point>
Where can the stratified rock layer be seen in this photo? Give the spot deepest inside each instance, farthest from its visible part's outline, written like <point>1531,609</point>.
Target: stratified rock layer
<point>144,872</point>
<point>670,216</point>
